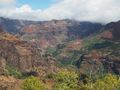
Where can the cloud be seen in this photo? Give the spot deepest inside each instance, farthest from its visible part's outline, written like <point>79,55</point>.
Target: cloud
<point>25,8</point>
<point>24,12</point>
<point>86,10</point>
<point>83,10</point>
<point>6,2</point>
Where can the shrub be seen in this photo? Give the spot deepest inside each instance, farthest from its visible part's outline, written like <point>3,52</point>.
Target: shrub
<point>33,83</point>
<point>66,80</point>
<point>109,82</point>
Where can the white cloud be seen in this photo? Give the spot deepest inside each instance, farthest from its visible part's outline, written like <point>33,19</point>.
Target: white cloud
<point>83,10</point>
<point>6,2</point>
<point>25,8</point>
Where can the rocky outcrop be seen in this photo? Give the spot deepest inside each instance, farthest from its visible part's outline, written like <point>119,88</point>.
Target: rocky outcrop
<point>95,62</point>
<point>9,83</point>
<point>107,35</point>
<point>90,62</point>
<point>114,29</point>
<point>112,64</point>
<point>23,56</point>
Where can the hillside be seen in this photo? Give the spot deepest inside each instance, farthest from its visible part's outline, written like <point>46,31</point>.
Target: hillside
<point>22,55</point>
<point>66,40</point>
<point>99,52</point>
<point>49,33</point>
<point>59,54</point>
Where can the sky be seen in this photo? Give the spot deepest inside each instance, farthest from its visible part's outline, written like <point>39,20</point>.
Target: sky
<point>103,11</point>
<point>36,4</point>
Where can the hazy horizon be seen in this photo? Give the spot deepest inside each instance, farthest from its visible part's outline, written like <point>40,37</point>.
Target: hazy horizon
<point>44,10</point>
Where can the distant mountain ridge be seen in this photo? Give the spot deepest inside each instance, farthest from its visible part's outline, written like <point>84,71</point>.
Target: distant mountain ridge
<point>51,32</point>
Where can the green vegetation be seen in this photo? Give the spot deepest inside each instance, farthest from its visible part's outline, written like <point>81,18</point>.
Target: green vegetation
<point>94,42</point>
<point>1,37</point>
<point>100,80</point>
<point>70,80</point>
<point>108,82</point>
<point>13,72</point>
<point>105,46</point>
<point>88,42</point>
<point>33,83</point>
<point>73,56</point>
<point>51,50</point>
<point>66,80</point>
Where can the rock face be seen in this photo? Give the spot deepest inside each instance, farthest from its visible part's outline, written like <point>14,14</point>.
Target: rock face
<point>9,83</point>
<point>114,30</point>
<point>107,35</point>
<point>107,55</point>
<point>23,56</point>
<point>112,64</point>
<point>101,56</point>
<point>88,64</point>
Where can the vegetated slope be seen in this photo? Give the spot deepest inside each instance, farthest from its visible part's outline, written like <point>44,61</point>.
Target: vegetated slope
<point>101,52</point>
<point>69,41</point>
<point>23,56</point>
<point>46,35</point>
<point>36,48</point>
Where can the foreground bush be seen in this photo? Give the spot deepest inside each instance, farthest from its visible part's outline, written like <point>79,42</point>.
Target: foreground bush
<point>109,82</point>
<point>70,80</point>
<point>66,80</point>
<point>33,83</point>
